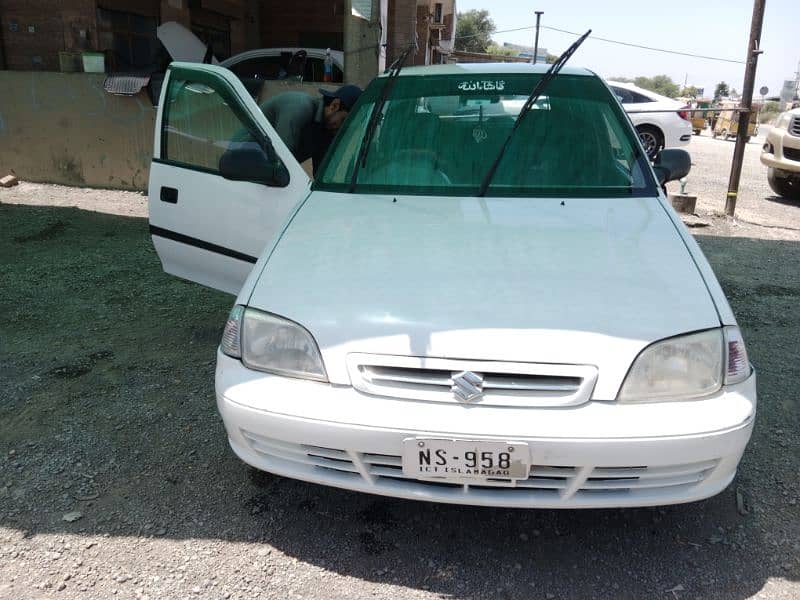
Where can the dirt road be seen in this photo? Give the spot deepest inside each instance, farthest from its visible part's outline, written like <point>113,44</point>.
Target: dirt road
<point>116,480</point>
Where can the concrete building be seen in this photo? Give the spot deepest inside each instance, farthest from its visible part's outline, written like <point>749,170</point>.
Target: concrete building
<point>436,27</point>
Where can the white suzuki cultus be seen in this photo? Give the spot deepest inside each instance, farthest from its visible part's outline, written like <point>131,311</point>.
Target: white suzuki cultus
<point>437,320</point>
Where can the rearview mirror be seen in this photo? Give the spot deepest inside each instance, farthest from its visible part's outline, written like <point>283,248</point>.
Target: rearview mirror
<point>672,164</point>
<point>248,161</point>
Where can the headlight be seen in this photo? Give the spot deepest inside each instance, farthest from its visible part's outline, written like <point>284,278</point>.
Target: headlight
<point>270,343</point>
<point>689,366</point>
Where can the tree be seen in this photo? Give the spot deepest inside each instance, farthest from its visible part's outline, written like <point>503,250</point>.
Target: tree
<point>690,92</point>
<point>500,51</point>
<point>721,90</point>
<point>474,31</point>
<point>660,84</point>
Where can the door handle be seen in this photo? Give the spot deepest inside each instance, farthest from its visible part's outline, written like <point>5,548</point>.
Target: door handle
<point>169,194</point>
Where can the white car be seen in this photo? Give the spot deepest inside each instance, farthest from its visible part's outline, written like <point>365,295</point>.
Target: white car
<point>781,154</point>
<point>259,64</point>
<point>668,129</point>
<point>410,326</point>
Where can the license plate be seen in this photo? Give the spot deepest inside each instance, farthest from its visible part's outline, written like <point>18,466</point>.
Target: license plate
<point>464,460</point>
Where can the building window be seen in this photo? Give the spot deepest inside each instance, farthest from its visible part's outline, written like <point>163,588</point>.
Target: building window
<point>213,29</point>
<point>131,39</point>
<point>219,39</point>
<point>437,12</point>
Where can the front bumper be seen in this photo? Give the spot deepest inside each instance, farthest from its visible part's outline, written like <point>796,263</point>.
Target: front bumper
<point>591,456</point>
<point>784,154</point>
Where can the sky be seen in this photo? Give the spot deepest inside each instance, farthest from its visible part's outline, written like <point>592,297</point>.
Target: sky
<point>718,28</point>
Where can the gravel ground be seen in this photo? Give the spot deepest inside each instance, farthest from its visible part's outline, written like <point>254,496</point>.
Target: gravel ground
<point>116,480</point>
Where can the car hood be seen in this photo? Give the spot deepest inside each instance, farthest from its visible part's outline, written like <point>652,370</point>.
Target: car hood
<point>589,281</point>
<point>181,43</point>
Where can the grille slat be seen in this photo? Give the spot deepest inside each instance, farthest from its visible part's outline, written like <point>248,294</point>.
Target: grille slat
<point>652,472</point>
<point>381,471</point>
<point>383,459</point>
<point>794,126</point>
<point>414,376</point>
<point>791,153</point>
<point>307,459</point>
<point>637,483</point>
<point>542,471</point>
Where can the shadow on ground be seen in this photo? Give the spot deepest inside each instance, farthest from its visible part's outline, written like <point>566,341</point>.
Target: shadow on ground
<point>782,200</point>
<point>107,407</point>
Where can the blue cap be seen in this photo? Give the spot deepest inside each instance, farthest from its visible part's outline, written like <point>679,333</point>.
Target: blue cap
<point>347,94</point>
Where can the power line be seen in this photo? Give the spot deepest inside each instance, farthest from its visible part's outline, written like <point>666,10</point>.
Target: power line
<point>610,41</point>
<point>738,62</point>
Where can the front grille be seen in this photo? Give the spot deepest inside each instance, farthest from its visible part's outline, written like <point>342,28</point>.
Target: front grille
<point>794,126</point>
<point>503,384</point>
<point>384,472</point>
<point>791,153</point>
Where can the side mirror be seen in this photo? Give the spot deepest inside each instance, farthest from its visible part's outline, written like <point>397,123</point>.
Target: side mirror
<point>248,161</point>
<point>672,164</point>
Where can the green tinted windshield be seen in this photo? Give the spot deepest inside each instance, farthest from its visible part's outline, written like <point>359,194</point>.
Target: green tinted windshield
<point>439,134</point>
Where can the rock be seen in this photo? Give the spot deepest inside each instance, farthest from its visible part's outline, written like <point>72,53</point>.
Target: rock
<point>61,586</point>
<point>741,507</point>
<point>683,203</point>
<point>694,221</point>
<point>73,516</point>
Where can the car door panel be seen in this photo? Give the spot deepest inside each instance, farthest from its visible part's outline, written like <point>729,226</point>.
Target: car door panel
<point>206,228</point>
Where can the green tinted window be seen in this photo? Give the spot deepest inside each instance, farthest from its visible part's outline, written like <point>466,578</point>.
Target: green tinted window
<point>440,134</point>
<point>199,126</point>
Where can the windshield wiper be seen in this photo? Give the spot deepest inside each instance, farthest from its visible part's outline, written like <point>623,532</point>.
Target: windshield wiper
<point>537,91</point>
<point>375,117</point>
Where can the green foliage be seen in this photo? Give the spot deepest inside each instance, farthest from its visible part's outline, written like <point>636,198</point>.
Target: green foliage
<point>474,31</point>
<point>690,91</point>
<point>500,51</point>
<point>660,84</point>
<point>769,112</point>
<point>721,90</point>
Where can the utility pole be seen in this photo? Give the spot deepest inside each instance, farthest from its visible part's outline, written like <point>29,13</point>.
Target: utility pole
<point>753,50</point>
<point>539,14</point>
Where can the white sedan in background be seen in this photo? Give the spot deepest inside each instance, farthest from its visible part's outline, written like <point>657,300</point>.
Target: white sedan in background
<point>668,129</point>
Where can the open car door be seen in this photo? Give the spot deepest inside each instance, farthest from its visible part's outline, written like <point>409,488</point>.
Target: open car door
<point>222,183</point>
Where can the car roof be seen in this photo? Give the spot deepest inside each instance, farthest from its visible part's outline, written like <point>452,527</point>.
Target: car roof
<point>336,55</point>
<point>644,92</point>
<point>499,68</point>
<point>628,86</point>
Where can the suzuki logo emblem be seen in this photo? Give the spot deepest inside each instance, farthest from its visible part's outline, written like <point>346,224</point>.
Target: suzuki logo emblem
<point>467,386</point>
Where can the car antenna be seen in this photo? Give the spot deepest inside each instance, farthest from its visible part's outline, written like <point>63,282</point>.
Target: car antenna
<point>537,91</point>
<point>375,117</point>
